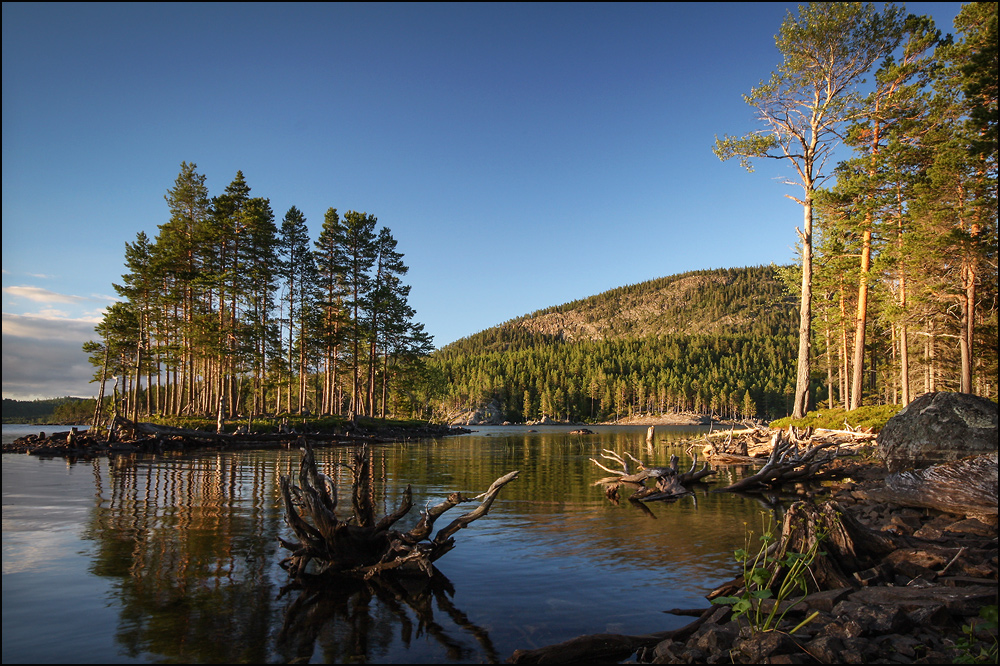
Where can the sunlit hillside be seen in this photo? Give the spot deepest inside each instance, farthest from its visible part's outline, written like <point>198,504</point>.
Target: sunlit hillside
<point>719,341</point>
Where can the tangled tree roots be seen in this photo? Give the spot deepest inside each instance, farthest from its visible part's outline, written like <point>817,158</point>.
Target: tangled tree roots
<point>361,545</point>
<point>670,481</point>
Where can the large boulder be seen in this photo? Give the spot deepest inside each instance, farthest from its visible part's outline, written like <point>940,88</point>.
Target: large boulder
<point>938,427</point>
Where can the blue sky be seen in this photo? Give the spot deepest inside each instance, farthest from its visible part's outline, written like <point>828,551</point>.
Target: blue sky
<point>523,155</point>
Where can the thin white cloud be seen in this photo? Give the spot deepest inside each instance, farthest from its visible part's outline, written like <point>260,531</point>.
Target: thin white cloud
<point>40,295</point>
<point>34,327</point>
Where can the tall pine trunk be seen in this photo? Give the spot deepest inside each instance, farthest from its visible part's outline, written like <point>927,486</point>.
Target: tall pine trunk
<point>801,404</point>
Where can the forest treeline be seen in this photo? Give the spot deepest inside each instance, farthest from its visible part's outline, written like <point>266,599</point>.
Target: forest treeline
<point>224,312</point>
<point>53,410</point>
<point>896,281</point>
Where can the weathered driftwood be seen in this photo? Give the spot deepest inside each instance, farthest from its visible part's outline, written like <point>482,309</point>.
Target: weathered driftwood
<point>789,461</point>
<point>967,486</point>
<point>670,481</point>
<point>751,445</point>
<point>361,545</point>
<point>847,546</point>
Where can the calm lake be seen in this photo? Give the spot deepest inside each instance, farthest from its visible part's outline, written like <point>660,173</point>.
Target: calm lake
<point>175,559</point>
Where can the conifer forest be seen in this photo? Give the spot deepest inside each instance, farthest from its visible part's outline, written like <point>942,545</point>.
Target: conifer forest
<point>226,312</point>
<point>888,128</point>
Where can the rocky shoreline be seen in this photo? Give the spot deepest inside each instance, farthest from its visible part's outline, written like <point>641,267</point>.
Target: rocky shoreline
<point>79,444</point>
<point>915,591</point>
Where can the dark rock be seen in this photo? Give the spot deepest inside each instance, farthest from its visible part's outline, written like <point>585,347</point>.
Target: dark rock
<point>931,614</point>
<point>789,659</point>
<point>936,657</point>
<point>825,601</point>
<point>905,524</point>
<point>758,647</point>
<point>715,639</point>
<point>972,526</point>
<point>693,656</point>
<point>826,649</point>
<point>899,644</point>
<point>874,620</point>
<point>667,652</point>
<point>842,628</point>
<point>938,427</point>
<point>857,651</point>
<point>915,562</point>
<point>875,575</point>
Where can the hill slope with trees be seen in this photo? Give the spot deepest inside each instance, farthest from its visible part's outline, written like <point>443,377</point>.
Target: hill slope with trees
<point>720,341</point>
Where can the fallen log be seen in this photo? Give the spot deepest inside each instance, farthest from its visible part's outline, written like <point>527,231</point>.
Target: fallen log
<point>360,545</point>
<point>602,648</point>
<point>966,486</point>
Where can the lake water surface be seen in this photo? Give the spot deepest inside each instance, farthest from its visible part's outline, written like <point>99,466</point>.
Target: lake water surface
<point>175,559</point>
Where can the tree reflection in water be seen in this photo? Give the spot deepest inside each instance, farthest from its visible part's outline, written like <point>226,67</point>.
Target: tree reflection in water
<point>353,620</point>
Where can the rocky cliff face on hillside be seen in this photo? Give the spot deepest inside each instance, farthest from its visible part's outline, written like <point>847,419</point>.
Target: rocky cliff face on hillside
<point>676,307</point>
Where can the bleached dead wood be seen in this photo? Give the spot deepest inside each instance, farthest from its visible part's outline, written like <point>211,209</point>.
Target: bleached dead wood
<point>670,481</point>
<point>789,461</point>
<point>966,486</point>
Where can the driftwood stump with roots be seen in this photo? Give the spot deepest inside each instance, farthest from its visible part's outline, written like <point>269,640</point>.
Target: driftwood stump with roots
<point>670,481</point>
<point>362,546</point>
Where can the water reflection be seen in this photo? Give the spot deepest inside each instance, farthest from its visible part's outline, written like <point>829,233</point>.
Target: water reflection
<point>186,547</point>
<point>354,621</point>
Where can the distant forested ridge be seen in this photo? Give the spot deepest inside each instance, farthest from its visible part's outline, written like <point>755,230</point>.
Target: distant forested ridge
<point>52,410</point>
<point>713,341</point>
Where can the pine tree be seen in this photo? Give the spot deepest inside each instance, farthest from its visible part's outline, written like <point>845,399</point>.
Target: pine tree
<point>298,270</point>
<point>827,50</point>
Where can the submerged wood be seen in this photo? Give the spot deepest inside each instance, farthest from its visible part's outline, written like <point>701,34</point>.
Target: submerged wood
<point>361,545</point>
<point>602,648</point>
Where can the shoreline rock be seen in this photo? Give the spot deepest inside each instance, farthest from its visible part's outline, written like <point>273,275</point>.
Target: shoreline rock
<point>912,603</point>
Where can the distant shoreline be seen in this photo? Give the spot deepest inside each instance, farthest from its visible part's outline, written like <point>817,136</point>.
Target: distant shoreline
<point>668,419</point>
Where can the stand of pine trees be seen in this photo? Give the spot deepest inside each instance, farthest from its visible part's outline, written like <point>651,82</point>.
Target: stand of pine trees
<point>226,313</point>
<point>898,279</point>
<point>907,251</point>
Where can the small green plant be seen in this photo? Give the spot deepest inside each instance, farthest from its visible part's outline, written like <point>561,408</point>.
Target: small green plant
<point>968,644</point>
<point>758,571</point>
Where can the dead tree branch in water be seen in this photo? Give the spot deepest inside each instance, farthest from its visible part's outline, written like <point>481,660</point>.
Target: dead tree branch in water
<point>361,545</point>
<point>670,481</point>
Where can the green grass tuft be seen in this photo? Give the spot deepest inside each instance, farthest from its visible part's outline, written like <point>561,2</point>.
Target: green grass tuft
<point>874,416</point>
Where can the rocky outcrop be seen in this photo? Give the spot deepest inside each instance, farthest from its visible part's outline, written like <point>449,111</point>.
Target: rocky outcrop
<point>488,414</point>
<point>938,427</point>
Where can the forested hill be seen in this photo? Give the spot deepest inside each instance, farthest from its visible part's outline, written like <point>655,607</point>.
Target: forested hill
<point>744,301</point>
<point>713,340</point>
